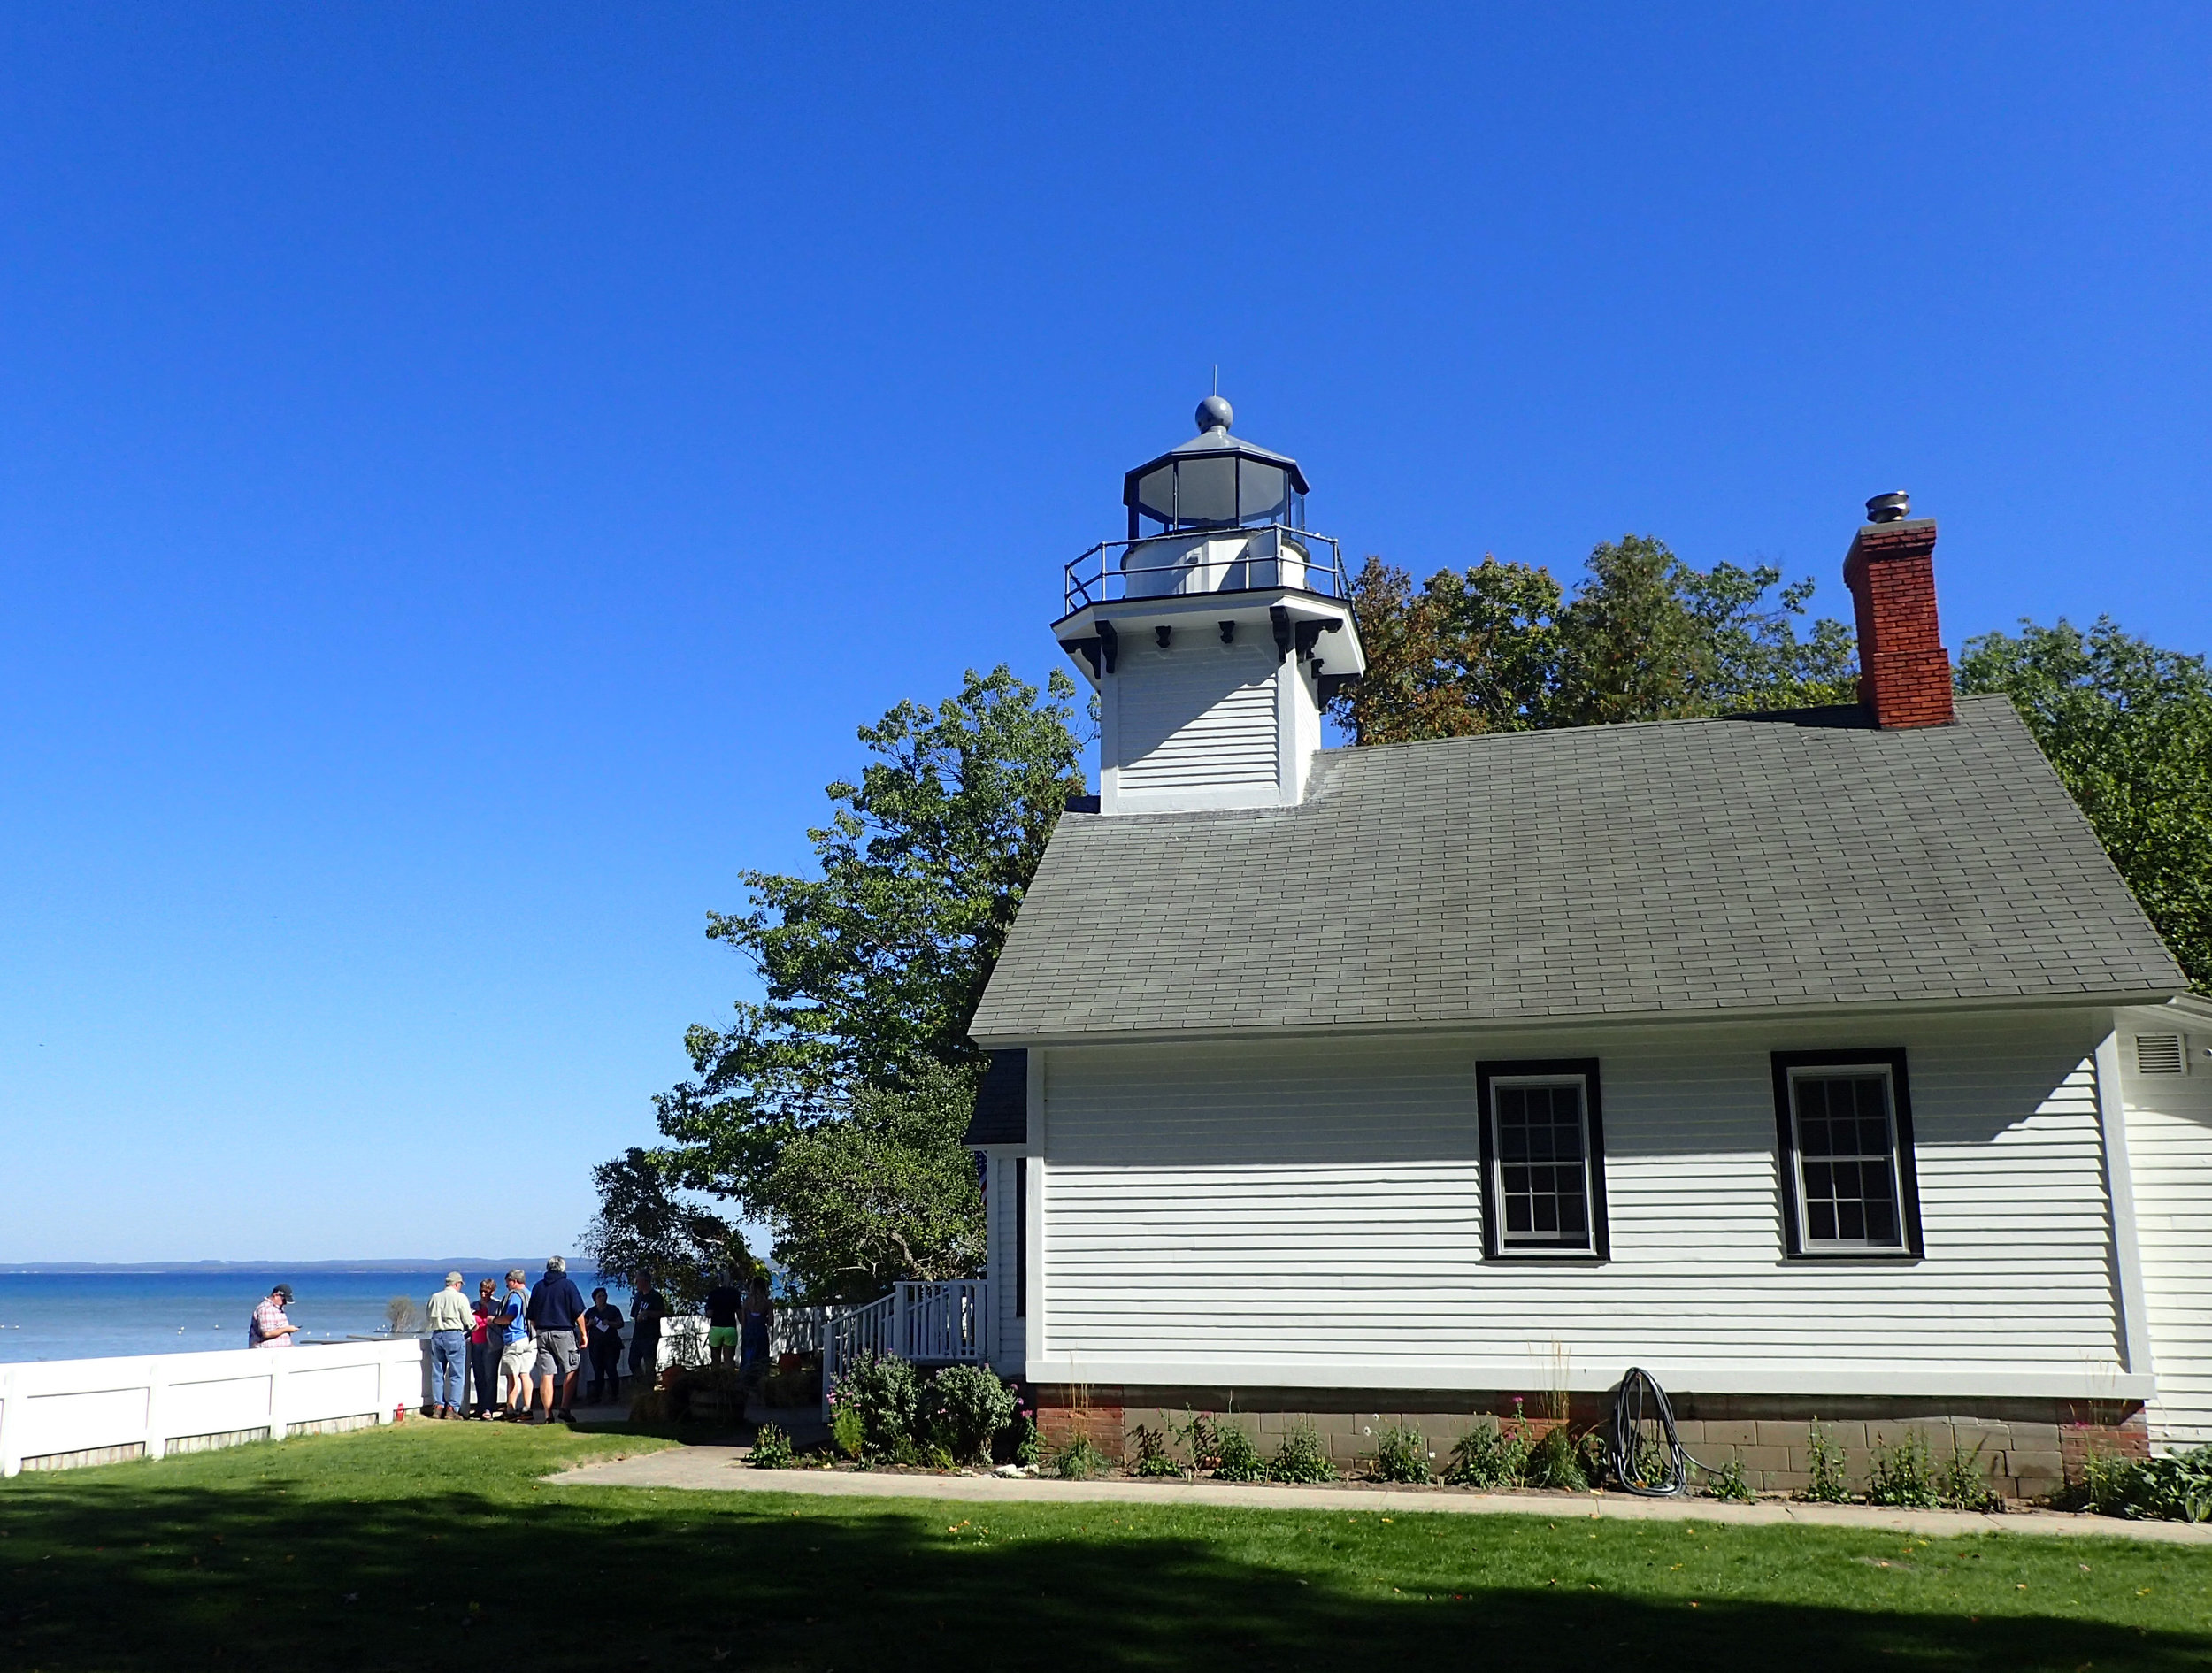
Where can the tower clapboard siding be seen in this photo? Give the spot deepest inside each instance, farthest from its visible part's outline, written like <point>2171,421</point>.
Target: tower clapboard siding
<point>1198,716</point>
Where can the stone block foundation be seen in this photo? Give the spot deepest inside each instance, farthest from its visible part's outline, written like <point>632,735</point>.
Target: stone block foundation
<point>2027,1448</point>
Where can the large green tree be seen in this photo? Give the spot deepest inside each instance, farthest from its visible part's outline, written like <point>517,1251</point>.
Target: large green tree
<point>1502,647</point>
<point>2129,728</point>
<point>887,1191</point>
<point>873,967</point>
<point>643,1226</point>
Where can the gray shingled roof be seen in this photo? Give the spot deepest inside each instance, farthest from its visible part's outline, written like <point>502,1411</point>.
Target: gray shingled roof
<point>1682,866</point>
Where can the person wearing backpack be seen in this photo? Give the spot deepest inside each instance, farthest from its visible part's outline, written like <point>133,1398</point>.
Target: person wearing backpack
<point>518,1351</point>
<point>269,1327</point>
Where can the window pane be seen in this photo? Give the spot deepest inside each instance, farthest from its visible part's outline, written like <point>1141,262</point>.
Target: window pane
<point>1847,1162</point>
<point>1155,493</point>
<point>1543,1174</point>
<point>1262,491</point>
<point>1205,492</point>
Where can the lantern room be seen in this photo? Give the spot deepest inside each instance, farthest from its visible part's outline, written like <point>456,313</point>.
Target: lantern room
<point>1214,481</point>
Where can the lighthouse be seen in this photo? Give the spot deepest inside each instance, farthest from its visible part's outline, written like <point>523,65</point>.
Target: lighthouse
<point>1214,634</point>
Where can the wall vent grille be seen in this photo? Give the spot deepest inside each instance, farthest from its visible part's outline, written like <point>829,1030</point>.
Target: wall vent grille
<point>2160,1055</point>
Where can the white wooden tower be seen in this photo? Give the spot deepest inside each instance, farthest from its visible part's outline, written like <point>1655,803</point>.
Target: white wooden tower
<point>1214,634</point>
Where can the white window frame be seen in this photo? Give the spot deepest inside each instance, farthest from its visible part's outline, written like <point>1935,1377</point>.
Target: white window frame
<point>1523,1245</point>
<point>1806,1240</point>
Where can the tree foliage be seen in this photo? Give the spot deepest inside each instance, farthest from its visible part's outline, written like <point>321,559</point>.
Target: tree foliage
<point>824,1108</point>
<point>643,1226</point>
<point>2129,728</point>
<point>885,1192</point>
<point>1500,647</point>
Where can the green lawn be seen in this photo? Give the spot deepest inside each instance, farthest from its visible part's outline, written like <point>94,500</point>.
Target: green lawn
<point>432,1546</point>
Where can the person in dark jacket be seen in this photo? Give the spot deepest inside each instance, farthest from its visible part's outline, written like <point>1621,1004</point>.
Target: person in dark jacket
<point>556,1312</point>
<point>604,1347</point>
<point>649,1308</point>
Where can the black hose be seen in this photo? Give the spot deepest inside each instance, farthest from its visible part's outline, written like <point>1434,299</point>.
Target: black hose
<point>1648,1456</point>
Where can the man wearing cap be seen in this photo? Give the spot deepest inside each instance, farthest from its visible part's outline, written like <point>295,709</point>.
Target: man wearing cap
<point>518,1353</point>
<point>270,1328</point>
<point>557,1312</point>
<point>450,1321</point>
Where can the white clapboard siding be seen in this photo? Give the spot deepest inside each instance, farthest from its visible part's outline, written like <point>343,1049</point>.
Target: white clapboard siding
<point>1200,715</point>
<point>1309,1214</point>
<point>2169,1157</point>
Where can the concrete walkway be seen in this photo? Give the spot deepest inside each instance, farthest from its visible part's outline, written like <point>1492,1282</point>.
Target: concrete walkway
<point>723,1468</point>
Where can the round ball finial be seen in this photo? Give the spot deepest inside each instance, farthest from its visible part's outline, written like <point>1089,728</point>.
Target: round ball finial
<point>1214,413</point>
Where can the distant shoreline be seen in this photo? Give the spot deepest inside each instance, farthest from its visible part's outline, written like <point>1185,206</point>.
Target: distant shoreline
<point>64,1269</point>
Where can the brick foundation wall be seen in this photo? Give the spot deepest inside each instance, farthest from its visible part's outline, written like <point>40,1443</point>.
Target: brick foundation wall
<point>2029,1449</point>
<point>1904,676</point>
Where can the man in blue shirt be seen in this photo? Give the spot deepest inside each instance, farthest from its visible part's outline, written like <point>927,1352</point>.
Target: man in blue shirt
<point>556,1311</point>
<point>518,1353</point>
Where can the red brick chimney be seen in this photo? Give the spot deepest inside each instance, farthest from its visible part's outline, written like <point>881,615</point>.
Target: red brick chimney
<point>1904,676</point>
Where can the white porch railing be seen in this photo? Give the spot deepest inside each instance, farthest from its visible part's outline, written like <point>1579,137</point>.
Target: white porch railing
<point>946,1323</point>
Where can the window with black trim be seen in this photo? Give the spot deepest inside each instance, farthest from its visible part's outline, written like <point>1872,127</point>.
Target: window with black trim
<point>1844,1121</point>
<point>1543,1158</point>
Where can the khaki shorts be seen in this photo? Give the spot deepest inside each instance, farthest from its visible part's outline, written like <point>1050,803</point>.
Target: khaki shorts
<point>517,1358</point>
<point>556,1353</point>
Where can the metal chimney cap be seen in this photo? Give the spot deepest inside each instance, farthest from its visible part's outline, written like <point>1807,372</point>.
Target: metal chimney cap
<point>1889,508</point>
<point>1214,413</point>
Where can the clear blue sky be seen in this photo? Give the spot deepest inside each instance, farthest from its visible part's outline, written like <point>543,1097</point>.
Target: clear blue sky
<point>468,471</point>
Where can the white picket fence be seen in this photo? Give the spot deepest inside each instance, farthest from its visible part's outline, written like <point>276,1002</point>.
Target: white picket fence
<point>946,1323</point>
<point>58,1413</point>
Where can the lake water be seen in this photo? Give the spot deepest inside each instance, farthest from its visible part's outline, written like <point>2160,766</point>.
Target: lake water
<point>97,1314</point>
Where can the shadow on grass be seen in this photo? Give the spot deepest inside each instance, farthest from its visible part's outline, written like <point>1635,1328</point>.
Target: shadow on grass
<point>173,1575</point>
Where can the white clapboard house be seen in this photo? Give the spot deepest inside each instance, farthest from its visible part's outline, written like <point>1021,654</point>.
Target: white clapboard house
<point>1819,1062</point>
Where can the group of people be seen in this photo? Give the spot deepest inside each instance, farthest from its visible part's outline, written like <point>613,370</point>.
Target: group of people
<point>505,1345</point>
<point>490,1355</point>
<point>534,1338</point>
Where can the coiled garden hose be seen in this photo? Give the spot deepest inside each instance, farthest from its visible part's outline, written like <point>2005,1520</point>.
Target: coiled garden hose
<point>1649,1458</point>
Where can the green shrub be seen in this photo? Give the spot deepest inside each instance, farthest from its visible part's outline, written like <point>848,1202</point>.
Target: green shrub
<point>936,1457</point>
<point>1961,1483</point>
<point>962,1409</point>
<point>1902,1474</point>
<point>846,1432</point>
<point>1489,1455</point>
<point>1653,1464</point>
<point>883,1389</point>
<point>1220,1449</point>
<point>1235,1457</point>
<point>1027,1445</point>
<point>1727,1484</point>
<point>1824,1463</point>
<point>1201,1435</point>
<point>772,1448</point>
<point>1079,1460</point>
<point>2175,1488</point>
<point>1400,1455</point>
<point>1302,1457</point>
<point>1594,1454</point>
<point>1152,1458</point>
<point>1552,1462</point>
